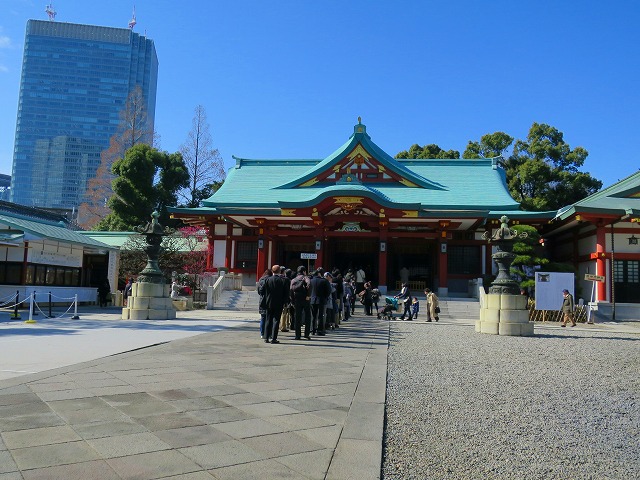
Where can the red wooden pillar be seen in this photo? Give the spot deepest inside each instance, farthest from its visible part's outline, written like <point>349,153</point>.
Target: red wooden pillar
<point>319,246</point>
<point>228,244</point>
<point>261,264</point>
<point>209,266</point>
<point>601,289</point>
<point>443,271</point>
<point>382,258</point>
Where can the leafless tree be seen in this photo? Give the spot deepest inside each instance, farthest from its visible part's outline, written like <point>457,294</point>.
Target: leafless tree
<point>134,128</point>
<point>205,165</point>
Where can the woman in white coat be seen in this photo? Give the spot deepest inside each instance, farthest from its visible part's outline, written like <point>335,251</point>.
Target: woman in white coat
<point>432,305</point>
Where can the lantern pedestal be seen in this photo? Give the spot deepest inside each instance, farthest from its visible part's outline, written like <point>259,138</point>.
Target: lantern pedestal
<point>149,301</point>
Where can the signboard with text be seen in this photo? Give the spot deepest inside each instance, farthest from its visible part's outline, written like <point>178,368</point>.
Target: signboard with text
<point>308,256</point>
<point>593,278</point>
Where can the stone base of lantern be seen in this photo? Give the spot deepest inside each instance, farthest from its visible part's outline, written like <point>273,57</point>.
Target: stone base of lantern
<point>149,301</point>
<point>504,314</point>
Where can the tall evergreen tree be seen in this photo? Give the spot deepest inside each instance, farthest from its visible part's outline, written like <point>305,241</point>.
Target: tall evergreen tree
<point>543,171</point>
<point>146,180</point>
<point>428,151</point>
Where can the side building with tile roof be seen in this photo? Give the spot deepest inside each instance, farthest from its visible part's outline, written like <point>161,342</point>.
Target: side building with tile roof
<point>41,253</point>
<point>600,235</point>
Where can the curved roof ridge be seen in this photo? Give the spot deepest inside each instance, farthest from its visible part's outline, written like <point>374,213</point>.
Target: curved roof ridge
<point>360,136</point>
<point>318,194</point>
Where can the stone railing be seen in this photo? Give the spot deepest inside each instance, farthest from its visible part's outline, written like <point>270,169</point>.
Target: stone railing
<point>416,287</point>
<point>226,281</point>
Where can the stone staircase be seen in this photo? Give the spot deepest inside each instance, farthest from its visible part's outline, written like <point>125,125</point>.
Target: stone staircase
<point>459,308</point>
<point>242,300</point>
<point>247,300</point>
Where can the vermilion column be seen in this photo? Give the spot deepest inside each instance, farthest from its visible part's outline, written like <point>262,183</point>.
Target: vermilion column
<point>382,259</point>
<point>443,271</point>
<point>319,238</point>
<point>227,254</point>
<point>601,289</point>
<point>210,248</point>
<point>261,263</point>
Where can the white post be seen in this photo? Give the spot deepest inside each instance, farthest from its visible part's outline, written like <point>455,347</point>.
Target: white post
<point>593,292</point>
<point>75,309</point>
<point>31,320</point>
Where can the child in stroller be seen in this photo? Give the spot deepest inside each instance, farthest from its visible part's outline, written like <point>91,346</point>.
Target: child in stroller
<point>391,305</point>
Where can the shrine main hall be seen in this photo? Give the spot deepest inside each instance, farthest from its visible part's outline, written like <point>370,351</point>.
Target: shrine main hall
<point>360,207</point>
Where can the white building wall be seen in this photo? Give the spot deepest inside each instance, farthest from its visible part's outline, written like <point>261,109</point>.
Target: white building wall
<point>219,250</point>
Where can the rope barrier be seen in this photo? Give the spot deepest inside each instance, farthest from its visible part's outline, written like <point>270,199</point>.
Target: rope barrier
<point>7,299</point>
<point>14,297</point>
<point>33,304</point>
<point>62,298</point>
<point>51,316</point>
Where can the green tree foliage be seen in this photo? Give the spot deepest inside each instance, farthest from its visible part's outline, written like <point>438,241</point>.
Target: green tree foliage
<point>490,145</point>
<point>529,254</point>
<point>428,151</point>
<point>133,258</point>
<point>543,171</point>
<point>146,180</point>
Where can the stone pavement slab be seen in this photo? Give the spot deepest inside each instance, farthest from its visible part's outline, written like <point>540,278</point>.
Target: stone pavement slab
<point>215,405</point>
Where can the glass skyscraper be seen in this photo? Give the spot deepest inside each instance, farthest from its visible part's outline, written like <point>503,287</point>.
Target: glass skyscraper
<point>75,82</point>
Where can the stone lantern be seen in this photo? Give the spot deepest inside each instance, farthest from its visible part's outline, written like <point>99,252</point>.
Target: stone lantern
<point>504,310</point>
<point>150,295</point>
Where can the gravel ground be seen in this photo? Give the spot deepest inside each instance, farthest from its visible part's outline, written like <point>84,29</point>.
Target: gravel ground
<point>462,405</point>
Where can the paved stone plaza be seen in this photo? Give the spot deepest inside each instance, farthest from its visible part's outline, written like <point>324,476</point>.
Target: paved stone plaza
<point>221,404</point>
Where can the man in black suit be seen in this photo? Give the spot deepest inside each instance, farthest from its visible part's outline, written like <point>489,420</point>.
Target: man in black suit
<point>320,291</point>
<point>276,294</point>
<point>300,298</point>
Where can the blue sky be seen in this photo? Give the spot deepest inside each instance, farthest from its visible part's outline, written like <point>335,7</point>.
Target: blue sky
<point>288,79</point>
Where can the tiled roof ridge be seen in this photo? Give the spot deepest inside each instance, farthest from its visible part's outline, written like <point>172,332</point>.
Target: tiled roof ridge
<point>616,187</point>
<point>30,213</point>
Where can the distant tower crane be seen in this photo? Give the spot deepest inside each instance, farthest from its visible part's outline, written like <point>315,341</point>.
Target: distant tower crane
<point>132,22</point>
<point>51,12</point>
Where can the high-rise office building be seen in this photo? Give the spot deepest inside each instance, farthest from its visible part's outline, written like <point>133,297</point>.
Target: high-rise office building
<point>75,82</point>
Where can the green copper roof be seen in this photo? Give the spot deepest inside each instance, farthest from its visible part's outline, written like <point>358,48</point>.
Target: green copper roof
<point>49,230</point>
<point>622,198</point>
<point>457,184</point>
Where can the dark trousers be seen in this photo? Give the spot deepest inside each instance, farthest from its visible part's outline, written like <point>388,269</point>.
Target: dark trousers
<point>407,310</point>
<point>273,323</point>
<point>318,317</point>
<point>367,307</point>
<point>263,321</point>
<point>303,311</point>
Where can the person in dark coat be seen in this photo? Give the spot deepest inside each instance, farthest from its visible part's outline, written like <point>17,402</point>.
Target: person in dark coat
<point>301,300</point>
<point>405,297</point>
<point>104,289</point>
<point>261,309</point>
<point>320,291</point>
<point>276,294</point>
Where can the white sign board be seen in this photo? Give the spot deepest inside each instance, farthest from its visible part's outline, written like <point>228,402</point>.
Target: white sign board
<point>55,258</point>
<point>308,256</point>
<point>549,286</point>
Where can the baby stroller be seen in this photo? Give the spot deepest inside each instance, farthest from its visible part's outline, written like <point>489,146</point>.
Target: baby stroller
<point>391,305</point>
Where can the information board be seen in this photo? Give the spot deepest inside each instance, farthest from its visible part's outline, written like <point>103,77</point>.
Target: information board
<point>549,286</point>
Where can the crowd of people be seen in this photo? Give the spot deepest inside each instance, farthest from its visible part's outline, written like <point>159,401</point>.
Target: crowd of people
<point>311,303</point>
